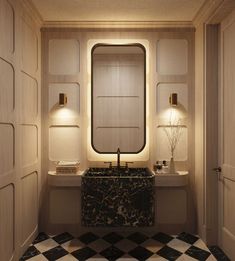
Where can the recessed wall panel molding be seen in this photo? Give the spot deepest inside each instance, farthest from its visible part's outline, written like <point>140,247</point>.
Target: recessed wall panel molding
<point>7,149</point>
<point>29,49</point>
<point>7,27</point>
<point>29,218</point>
<point>169,213</point>
<point>70,213</point>
<point>29,98</point>
<point>163,149</point>
<point>29,144</point>
<point>172,57</point>
<point>7,215</point>
<point>64,143</point>
<point>63,56</point>
<point>7,89</point>
<point>72,91</point>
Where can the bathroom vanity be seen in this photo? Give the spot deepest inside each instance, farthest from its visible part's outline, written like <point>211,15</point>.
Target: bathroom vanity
<point>117,197</point>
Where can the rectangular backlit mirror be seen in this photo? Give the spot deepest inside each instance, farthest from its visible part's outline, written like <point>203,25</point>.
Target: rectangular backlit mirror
<point>118,98</point>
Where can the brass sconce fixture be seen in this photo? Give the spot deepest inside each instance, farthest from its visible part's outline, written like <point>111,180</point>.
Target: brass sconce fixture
<point>62,99</point>
<point>173,99</point>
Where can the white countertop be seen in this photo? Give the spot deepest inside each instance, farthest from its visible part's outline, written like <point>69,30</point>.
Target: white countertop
<point>178,179</point>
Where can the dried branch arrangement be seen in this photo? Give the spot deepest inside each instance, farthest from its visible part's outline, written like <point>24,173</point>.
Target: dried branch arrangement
<point>173,132</point>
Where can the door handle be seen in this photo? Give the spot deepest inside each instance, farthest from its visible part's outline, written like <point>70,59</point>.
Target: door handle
<point>218,169</point>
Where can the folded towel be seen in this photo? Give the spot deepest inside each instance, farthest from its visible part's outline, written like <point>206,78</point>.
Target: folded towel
<point>68,163</point>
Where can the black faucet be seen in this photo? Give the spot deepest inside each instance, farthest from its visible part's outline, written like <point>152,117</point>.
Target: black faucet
<point>118,158</point>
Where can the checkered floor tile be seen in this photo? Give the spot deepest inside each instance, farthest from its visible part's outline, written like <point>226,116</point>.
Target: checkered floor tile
<point>121,247</point>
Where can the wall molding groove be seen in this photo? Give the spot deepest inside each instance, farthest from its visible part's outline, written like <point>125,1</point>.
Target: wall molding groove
<point>118,24</point>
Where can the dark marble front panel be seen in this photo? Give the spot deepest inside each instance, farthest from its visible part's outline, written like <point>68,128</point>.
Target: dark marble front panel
<point>118,201</point>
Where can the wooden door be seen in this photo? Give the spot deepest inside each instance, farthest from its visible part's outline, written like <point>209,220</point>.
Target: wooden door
<point>227,138</point>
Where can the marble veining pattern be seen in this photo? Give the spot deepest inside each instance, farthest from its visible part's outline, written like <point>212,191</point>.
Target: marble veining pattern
<point>118,199</point>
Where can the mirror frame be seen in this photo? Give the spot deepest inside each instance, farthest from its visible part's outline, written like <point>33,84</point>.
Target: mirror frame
<point>92,88</point>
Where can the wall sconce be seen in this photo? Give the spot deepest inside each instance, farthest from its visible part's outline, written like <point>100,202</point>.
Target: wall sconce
<point>173,99</point>
<point>62,99</point>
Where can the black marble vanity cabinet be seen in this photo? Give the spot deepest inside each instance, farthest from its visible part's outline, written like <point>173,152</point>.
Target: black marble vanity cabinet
<point>118,197</point>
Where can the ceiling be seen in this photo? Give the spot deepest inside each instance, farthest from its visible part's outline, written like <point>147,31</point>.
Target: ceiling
<point>118,10</point>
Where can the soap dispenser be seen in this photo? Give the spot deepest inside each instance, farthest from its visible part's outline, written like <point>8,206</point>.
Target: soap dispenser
<point>165,168</point>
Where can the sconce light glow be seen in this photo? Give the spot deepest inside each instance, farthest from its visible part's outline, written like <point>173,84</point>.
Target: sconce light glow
<point>173,99</point>
<point>62,99</point>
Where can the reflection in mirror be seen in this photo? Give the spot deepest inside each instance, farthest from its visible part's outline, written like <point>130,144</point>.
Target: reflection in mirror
<point>118,98</point>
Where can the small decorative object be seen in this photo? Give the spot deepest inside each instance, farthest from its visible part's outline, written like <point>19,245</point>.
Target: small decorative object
<point>67,167</point>
<point>173,132</point>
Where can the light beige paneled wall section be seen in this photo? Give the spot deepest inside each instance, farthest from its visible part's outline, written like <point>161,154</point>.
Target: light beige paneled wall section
<point>67,131</point>
<point>19,128</point>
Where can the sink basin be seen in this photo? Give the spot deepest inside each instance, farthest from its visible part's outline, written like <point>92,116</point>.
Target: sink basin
<point>120,173</point>
<point>112,197</point>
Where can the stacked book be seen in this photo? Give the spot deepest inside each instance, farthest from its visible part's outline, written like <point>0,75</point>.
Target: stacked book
<point>64,167</point>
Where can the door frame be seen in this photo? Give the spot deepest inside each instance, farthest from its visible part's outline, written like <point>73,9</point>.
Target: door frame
<point>213,133</point>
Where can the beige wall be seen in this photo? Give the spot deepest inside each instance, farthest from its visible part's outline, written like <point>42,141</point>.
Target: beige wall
<point>19,127</point>
<point>66,131</point>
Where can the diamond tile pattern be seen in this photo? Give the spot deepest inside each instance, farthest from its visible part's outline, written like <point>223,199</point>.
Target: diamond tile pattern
<point>83,253</point>
<point>163,238</point>
<point>169,253</point>
<point>120,246</point>
<point>55,253</point>
<point>112,238</point>
<point>140,253</point>
<point>62,238</point>
<point>198,253</point>
<point>112,253</point>
<point>137,237</point>
<point>188,238</point>
<point>88,238</point>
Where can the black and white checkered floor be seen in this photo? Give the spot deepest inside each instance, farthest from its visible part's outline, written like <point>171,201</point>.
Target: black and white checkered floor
<point>119,246</point>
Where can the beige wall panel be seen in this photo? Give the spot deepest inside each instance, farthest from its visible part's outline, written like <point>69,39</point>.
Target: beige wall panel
<point>118,112</point>
<point>63,56</point>
<point>172,56</point>
<point>110,139</point>
<point>29,144</point>
<point>7,222</point>
<point>229,210</point>
<point>163,148</point>
<point>7,88</point>
<point>168,213</point>
<point>7,149</point>
<point>73,98</point>
<point>64,143</point>
<point>166,113</point>
<point>29,98</point>
<point>29,49</point>
<point>65,207</point>
<point>7,26</point>
<point>29,205</point>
